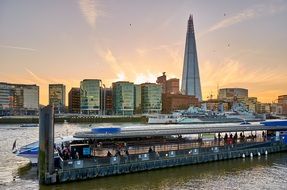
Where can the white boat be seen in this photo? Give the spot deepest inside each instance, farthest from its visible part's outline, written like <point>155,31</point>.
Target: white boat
<point>162,119</point>
<point>31,150</point>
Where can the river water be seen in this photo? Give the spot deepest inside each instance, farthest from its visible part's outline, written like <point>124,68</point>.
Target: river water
<point>265,172</point>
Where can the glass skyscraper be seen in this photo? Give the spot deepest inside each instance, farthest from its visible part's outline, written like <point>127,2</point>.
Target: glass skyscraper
<point>190,74</point>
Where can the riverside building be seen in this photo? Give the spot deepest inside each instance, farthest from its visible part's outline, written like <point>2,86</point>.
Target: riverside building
<point>123,98</point>
<point>137,98</point>
<point>57,97</point>
<point>173,102</point>
<point>232,94</point>
<point>74,100</point>
<point>151,101</point>
<point>282,99</point>
<point>170,86</point>
<point>107,101</point>
<point>19,99</point>
<point>5,99</point>
<point>172,99</point>
<point>90,96</point>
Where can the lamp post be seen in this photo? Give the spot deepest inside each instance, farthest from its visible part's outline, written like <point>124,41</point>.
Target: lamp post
<point>104,100</point>
<point>103,94</point>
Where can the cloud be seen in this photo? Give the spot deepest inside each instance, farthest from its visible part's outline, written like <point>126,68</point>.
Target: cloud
<point>37,79</point>
<point>138,72</point>
<point>115,66</point>
<point>231,72</point>
<point>88,9</point>
<point>121,76</point>
<point>240,17</point>
<point>173,50</point>
<point>145,77</point>
<point>167,47</point>
<point>17,48</point>
<point>249,14</point>
<point>109,57</point>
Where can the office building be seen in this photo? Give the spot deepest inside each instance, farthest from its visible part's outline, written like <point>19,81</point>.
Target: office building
<point>107,101</point>
<point>19,99</point>
<point>170,86</point>
<point>215,105</point>
<point>123,98</point>
<point>173,102</point>
<point>30,99</point>
<point>151,98</point>
<point>57,97</point>
<point>74,100</point>
<point>90,90</point>
<point>282,99</point>
<point>162,80</point>
<point>232,94</point>
<point>263,108</point>
<point>250,104</point>
<point>137,98</point>
<point>5,99</point>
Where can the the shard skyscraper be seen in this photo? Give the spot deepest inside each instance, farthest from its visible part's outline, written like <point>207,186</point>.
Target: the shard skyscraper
<point>190,75</point>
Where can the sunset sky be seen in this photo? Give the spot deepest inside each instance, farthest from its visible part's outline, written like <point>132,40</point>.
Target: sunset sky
<point>239,43</point>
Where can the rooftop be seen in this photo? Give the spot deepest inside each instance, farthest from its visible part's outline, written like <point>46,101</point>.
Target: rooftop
<point>166,130</point>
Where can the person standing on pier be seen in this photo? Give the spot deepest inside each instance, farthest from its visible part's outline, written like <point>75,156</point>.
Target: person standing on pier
<point>77,156</point>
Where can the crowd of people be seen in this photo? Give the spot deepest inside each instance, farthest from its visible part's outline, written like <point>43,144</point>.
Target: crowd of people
<point>64,151</point>
<point>229,139</point>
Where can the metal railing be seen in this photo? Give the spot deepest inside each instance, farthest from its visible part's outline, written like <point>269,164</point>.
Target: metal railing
<point>159,155</point>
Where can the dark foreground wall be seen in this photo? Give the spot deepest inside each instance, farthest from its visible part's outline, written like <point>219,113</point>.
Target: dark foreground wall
<point>116,169</point>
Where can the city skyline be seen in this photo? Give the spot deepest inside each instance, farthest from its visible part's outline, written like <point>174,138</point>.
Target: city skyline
<point>239,45</point>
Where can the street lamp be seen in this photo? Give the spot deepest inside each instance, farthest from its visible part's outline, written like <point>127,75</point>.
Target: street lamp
<point>104,99</point>
<point>103,94</point>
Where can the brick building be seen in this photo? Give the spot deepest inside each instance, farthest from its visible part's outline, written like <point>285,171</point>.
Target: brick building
<point>172,102</point>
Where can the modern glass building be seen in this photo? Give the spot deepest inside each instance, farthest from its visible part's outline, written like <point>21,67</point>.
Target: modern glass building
<point>19,99</point>
<point>137,98</point>
<point>107,101</point>
<point>5,99</point>
<point>30,99</point>
<point>123,98</point>
<point>151,101</point>
<point>190,75</point>
<point>57,97</point>
<point>74,100</point>
<point>90,96</point>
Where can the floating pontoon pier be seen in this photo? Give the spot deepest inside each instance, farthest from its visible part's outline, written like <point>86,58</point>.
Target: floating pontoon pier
<point>120,150</point>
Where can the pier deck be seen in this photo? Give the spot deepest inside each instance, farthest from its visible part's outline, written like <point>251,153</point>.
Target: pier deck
<point>91,168</point>
<point>155,147</point>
